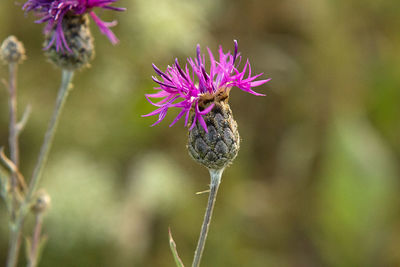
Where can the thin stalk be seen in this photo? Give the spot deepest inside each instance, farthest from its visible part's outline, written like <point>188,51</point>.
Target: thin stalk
<point>15,241</point>
<point>48,139</point>
<point>14,154</point>
<point>215,176</point>
<point>13,134</point>
<point>13,137</point>
<point>33,253</point>
<point>43,154</point>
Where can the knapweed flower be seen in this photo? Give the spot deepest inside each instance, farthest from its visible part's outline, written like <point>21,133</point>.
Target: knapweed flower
<point>53,12</point>
<point>184,89</point>
<point>68,41</point>
<point>203,100</point>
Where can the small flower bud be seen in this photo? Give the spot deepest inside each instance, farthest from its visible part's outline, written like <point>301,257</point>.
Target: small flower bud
<point>12,50</point>
<point>41,202</point>
<point>80,49</point>
<point>218,147</point>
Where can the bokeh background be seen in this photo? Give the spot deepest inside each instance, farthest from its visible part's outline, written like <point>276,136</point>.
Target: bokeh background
<point>316,181</point>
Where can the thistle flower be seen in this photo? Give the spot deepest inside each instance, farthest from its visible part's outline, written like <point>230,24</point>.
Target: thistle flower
<point>53,12</point>
<point>183,89</point>
<point>203,100</point>
<point>69,43</point>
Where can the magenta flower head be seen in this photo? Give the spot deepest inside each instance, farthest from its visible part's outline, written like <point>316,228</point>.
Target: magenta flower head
<point>202,98</point>
<point>67,31</point>
<point>181,88</point>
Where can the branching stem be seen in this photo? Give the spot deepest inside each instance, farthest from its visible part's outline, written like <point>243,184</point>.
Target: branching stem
<point>15,239</point>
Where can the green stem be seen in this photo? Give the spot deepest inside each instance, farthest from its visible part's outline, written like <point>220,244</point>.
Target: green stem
<point>48,139</point>
<point>44,152</point>
<point>215,176</point>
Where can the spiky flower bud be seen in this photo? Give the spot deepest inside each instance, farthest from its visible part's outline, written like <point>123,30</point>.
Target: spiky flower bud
<point>219,146</point>
<point>41,202</point>
<point>12,50</point>
<point>80,49</point>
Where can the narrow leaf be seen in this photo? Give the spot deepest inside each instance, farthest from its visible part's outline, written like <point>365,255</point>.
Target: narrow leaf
<point>172,245</point>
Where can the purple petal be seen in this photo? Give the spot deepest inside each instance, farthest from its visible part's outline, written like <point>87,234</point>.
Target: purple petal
<point>158,94</point>
<point>114,8</point>
<point>198,54</point>
<point>177,117</point>
<point>194,122</point>
<point>180,70</point>
<point>104,27</point>
<point>154,112</point>
<point>236,50</point>
<point>200,118</point>
<point>212,61</point>
<point>187,117</point>
<point>163,84</point>
<point>159,72</point>
<point>248,90</point>
<point>258,83</point>
<point>203,123</point>
<point>206,110</point>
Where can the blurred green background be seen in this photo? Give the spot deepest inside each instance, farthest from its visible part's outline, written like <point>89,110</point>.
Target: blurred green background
<point>316,181</point>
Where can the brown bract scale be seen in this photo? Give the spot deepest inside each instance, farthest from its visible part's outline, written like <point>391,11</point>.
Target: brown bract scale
<point>220,146</point>
<point>79,39</point>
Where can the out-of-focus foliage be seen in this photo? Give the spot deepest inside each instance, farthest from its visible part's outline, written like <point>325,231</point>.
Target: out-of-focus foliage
<point>315,182</point>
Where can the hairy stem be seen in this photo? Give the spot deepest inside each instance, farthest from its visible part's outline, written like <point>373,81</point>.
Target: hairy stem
<point>43,154</point>
<point>215,176</point>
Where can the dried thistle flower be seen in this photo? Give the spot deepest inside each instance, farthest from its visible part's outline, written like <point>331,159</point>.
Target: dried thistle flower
<point>203,100</point>
<point>12,50</point>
